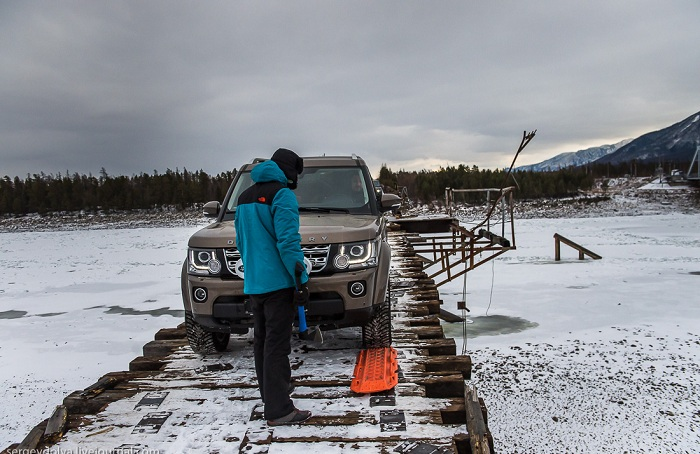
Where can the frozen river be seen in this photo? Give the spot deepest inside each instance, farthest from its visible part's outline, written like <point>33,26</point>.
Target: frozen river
<point>574,356</point>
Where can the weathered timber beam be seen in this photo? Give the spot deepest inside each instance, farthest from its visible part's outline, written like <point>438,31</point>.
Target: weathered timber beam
<point>432,347</point>
<point>442,386</point>
<point>163,347</point>
<point>456,363</point>
<point>493,238</point>
<point>427,320</point>
<point>142,363</point>
<point>171,333</point>
<point>79,404</point>
<point>103,384</point>
<point>56,426</point>
<point>32,440</point>
<point>421,332</point>
<point>476,427</point>
<point>449,316</point>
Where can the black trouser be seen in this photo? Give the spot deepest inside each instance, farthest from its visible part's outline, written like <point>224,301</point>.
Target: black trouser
<point>273,317</point>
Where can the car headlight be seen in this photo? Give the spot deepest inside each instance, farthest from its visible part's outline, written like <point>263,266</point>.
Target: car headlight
<point>352,256</point>
<point>203,262</point>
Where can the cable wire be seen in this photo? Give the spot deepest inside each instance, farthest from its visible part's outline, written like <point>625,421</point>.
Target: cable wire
<point>493,276</point>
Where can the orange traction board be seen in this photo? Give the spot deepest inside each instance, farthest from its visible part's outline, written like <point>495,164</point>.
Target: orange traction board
<point>376,370</point>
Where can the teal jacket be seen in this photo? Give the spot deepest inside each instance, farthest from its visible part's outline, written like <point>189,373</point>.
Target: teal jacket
<point>267,232</point>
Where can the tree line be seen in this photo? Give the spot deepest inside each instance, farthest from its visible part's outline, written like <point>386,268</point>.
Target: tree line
<point>427,185</point>
<point>41,193</point>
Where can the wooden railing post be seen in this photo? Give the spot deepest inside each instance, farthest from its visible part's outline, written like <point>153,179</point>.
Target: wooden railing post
<point>581,250</point>
<point>557,248</point>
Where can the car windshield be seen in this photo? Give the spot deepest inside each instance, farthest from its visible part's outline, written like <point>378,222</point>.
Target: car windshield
<point>323,189</point>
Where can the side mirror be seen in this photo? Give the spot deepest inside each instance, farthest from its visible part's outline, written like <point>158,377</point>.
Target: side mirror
<point>211,209</point>
<point>378,191</point>
<point>390,202</point>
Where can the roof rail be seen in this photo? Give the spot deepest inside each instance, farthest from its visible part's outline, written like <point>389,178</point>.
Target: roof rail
<point>257,160</point>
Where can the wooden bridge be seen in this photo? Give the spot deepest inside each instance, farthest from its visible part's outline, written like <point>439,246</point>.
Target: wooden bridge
<point>172,400</point>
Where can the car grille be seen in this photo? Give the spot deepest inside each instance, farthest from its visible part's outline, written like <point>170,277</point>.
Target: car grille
<point>317,255</point>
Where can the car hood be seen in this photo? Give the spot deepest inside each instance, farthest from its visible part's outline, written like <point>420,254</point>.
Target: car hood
<point>314,229</point>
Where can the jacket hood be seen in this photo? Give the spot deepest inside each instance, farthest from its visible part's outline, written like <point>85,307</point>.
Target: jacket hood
<point>268,171</point>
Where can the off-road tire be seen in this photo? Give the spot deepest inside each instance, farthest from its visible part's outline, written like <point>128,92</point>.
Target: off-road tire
<point>202,341</point>
<point>376,333</point>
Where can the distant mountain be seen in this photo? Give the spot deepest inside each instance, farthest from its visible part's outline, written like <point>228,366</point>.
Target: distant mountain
<point>575,159</point>
<point>677,143</point>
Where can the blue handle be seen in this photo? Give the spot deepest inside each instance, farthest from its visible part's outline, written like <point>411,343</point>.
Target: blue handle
<point>302,319</point>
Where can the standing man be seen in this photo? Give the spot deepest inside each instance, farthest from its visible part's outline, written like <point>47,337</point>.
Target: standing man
<point>267,236</point>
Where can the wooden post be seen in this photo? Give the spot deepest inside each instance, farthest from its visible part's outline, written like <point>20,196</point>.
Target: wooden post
<point>557,248</point>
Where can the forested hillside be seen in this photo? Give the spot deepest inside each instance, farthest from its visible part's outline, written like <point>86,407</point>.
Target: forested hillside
<point>42,193</point>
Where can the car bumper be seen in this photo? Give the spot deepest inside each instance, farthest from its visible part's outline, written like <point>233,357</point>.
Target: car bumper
<point>227,308</point>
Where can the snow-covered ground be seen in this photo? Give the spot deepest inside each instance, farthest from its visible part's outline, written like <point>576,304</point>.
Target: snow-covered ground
<point>592,356</point>
<point>75,305</point>
<point>600,355</point>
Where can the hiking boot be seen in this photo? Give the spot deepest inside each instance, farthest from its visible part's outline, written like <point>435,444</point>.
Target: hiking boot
<point>295,417</point>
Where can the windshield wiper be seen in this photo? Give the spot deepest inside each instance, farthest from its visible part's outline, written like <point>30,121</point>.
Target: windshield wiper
<point>323,210</point>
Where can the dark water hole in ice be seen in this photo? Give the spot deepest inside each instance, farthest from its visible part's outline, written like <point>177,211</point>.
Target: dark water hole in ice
<point>490,325</point>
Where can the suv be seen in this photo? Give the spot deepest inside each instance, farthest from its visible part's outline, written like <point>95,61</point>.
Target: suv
<point>344,240</point>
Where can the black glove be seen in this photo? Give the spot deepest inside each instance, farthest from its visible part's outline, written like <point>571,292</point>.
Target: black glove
<point>301,296</point>
<point>301,292</point>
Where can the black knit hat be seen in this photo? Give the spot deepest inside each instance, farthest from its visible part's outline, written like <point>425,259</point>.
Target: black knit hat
<point>290,163</point>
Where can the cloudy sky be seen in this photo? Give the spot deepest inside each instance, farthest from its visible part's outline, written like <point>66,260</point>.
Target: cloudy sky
<point>138,86</point>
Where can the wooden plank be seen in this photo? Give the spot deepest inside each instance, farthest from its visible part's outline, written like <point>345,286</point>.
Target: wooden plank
<point>163,347</point>
<point>425,320</point>
<point>79,404</point>
<point>449,317</point>
<point>141,363</point>
<point>100,386</point>
<point>432,347</point>
<point>445,363</point>
<point>171,333</point>
<point>447,386</point>
<point>493,238</point>
<point>56,425</point>
<point>426,225</point>
<point>420,332</point>
<point>32,440</point>
<point>476,427</point>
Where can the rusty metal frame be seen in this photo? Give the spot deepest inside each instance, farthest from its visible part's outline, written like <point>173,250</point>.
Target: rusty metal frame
<point>467,248</point>
<point>465,244</point>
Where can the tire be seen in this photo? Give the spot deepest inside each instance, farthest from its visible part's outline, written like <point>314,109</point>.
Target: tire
<point>221,341</point>
<point>377,331</point>
<point>202,341</point>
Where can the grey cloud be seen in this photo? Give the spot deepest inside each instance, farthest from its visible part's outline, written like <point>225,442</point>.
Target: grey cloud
<point>138,86</point>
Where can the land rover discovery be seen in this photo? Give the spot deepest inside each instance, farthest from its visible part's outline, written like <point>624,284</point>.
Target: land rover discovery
<point>344,240</point>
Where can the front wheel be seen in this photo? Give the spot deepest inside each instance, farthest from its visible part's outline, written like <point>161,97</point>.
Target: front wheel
<point>377,331</point>
<point>202,341</point>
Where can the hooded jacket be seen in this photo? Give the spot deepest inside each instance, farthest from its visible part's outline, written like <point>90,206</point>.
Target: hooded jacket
<point>267,231</point>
